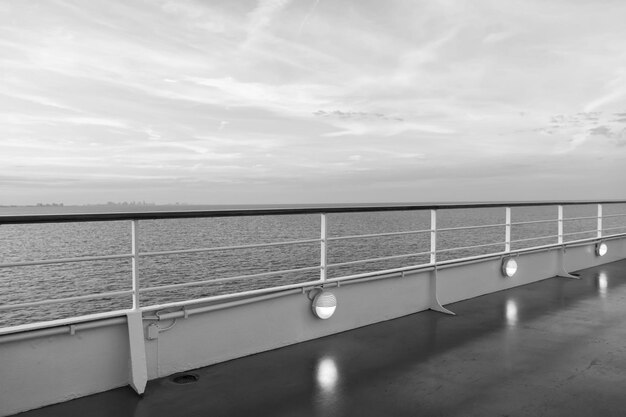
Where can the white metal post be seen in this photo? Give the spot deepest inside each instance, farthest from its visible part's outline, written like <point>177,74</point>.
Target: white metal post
<point>135,263</point>
<point>433,236</point>
<point>560,225</point>
<point>507,230</point>
<point>323,247</point>
<point>435,304</point>
<point>599,220</point>
<point>138,377</point>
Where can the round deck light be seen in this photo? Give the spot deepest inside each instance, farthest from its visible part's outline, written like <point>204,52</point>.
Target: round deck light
<point>324,305</point>
<point>509,267</point>
<point>601,249</point>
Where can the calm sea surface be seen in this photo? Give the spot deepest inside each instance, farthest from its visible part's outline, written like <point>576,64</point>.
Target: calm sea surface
<point>65,240</point>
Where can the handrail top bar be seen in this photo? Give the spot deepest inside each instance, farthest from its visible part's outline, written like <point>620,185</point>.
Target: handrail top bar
<point>276,211</point>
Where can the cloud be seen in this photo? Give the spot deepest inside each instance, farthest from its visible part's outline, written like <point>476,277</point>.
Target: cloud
<point>616,134</point>
<point>288,99</point>
<point>356,115</point>
<point>606,99</point>
<point>600,130</point>
<point>355,123</point>
<point>576,129</point>
<point>41,100</point>
<point>307,17</point>
<point>497,37</point>
<point>616,92</point>
<point>22,119</point>
<point>383,128</point>
<point>260,18</point>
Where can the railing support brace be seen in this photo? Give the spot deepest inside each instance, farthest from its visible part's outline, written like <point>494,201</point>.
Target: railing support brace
<point>435,305</point>
<point>563,273</point>
<point>138,377</point>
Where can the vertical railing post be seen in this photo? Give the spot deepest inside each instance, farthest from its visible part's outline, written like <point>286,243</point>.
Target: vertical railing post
<point>507,230</point>
<point>135,263</point>
<point>435,304</point>
<point>599,220</point>
<point>323,247</point>
<point>138,363</point>
<point>563,273</point>
<point>433,236</point>
<point>560,225</point>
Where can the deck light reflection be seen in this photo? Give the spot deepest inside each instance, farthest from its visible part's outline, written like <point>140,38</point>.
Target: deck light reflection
<point>601,249</point>
<point>327,374</point>
<point>509,267</point>
<point>511,313</point>
<point>603,284</point>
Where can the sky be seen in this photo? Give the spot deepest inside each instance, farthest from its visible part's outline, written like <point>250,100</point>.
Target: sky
<point>312,101</point>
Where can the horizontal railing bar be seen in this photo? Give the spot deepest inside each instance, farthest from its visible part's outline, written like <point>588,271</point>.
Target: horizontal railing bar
<point>382,258</point>
<point>614,228</point>
<point>580,218</point>
<point>481,226</point>
<point>571,243</point>
<point>534,238</point>
<point>87,321</point>
<point>411,232</point>
<point>442,264</point>
<point>228,296</point>
<point>64,260</point>
<point>65,299</point>
<point>613,236</point>
<point>275,211</point>
<point>534,222</point>
<point>448,263</point>
<point>227,279</point>
<point>613,215</point>
<point>469,247</point>
<point>60,330</point>
<point>579,233</point>
<point>222,248</point>
<point>222,306</point>
<point>381,272</point>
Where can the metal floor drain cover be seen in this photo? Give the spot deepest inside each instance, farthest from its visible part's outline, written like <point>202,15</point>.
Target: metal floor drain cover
<point>185,378</point>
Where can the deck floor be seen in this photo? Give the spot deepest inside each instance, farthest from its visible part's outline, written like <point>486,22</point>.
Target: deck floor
<point>553,348</point>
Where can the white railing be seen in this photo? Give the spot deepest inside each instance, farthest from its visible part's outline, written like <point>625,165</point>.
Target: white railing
<point>324,240</point>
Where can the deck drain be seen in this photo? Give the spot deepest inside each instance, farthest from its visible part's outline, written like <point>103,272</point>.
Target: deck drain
<point>185,378</point>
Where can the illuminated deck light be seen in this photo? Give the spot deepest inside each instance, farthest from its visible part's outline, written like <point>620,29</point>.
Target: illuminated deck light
<point>509,267</point>
<point>324,305</point>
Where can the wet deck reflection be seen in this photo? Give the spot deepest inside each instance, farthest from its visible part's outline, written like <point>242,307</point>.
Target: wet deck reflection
<point>554,348</point>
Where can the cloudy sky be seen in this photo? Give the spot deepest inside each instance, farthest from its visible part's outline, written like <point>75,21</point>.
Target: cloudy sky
<point>311,101</point>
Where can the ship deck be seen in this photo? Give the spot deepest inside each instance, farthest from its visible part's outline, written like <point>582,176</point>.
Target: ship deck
<point>552,348</point>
